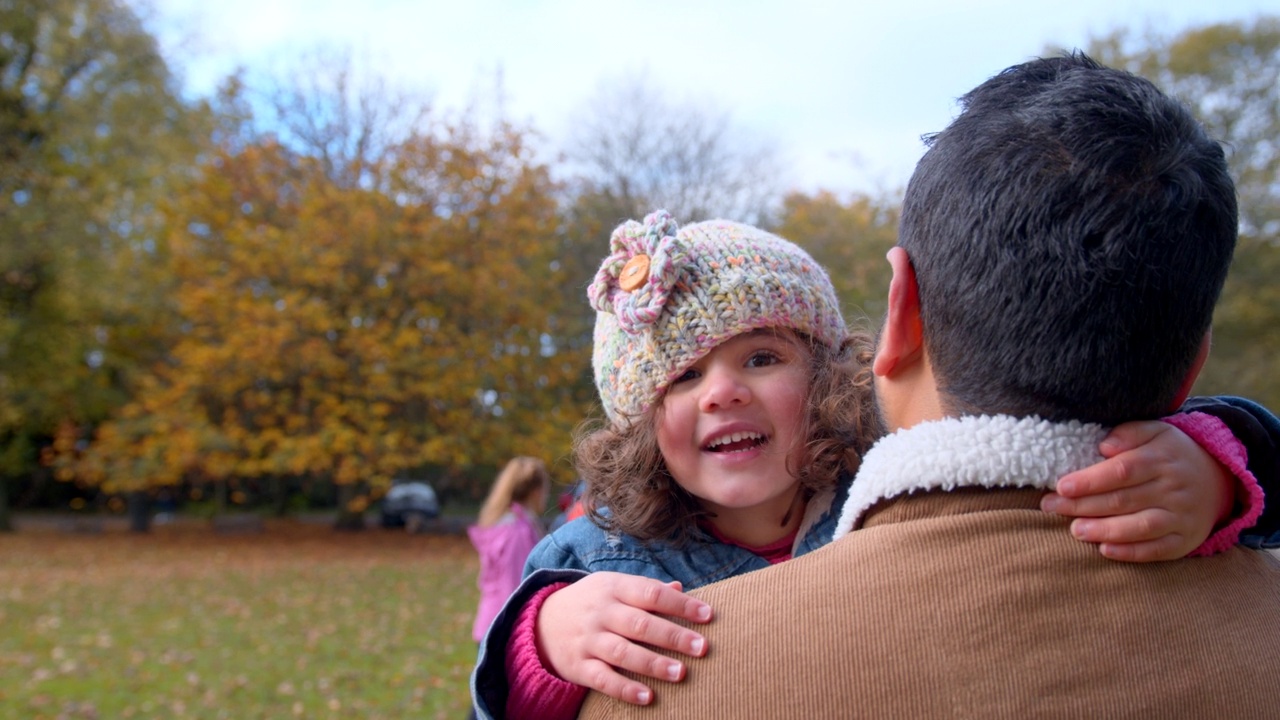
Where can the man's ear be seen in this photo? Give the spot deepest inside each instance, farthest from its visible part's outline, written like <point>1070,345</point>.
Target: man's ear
<point>1201,356</point>
<point>902,337</point>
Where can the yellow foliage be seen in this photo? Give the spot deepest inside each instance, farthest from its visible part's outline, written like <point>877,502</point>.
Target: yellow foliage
<point>850,239</point>
<point>352,333</point>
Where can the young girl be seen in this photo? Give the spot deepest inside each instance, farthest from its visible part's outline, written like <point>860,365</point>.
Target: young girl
<point>737,407</point>
<point>506,532</point>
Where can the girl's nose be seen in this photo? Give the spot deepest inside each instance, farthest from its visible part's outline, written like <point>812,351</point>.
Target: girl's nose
<point>723,388</point>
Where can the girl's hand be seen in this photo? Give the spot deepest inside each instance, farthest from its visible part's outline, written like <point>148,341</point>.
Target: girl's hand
<point>1157,496</point>
<point>589,630</point>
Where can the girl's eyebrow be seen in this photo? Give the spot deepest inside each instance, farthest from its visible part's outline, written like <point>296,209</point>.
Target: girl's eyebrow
<point>769,331</point>
<point>781,334</point>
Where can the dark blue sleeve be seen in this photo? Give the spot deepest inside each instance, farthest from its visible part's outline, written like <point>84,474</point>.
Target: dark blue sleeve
<point>489,688</point>
<point>1259,431</point>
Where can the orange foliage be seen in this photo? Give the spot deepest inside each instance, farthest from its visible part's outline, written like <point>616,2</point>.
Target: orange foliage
<point>351,333</point>
<point>850,238</point>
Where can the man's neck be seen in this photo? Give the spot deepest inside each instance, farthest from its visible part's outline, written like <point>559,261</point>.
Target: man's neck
<point>909,397</point>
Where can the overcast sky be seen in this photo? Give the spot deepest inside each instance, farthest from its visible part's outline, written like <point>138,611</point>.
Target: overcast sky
<point>844,89</point>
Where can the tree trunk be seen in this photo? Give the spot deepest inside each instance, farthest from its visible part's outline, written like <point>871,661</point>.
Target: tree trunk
<point>347,518</point>
<point>280,496</point>
<point>220,496</point>
<point>138,503</point>
<point>6,521</point>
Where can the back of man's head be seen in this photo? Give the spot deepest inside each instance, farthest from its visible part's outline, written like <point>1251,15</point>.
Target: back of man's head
<point>1070,233</point>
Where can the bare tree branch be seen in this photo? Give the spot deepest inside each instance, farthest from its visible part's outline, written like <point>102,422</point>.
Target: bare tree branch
<point>638,150</point>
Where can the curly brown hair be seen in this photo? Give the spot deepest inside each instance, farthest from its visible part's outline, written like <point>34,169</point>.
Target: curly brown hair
<point>625,473</point>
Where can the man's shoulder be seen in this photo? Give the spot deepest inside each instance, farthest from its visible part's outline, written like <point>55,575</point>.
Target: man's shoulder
<point>996,609</point>
<point>959,539</point>
<point>840,566</point>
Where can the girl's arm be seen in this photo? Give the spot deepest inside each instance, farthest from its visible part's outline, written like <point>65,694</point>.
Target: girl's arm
<point>603,600</point>
<point>608,621</point>
<point>535,692</point>
<point>572,638</point>
<point>489,684</point>
<point>1159,495</point>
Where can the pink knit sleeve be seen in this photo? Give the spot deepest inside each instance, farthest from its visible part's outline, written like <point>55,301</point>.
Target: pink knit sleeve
<point>1215,437</point>
<point>535,693</point>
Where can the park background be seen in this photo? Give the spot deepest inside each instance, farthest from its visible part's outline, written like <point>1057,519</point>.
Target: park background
<point>267,292</point>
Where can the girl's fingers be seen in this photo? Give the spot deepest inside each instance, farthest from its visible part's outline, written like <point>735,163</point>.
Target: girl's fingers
<point>660,598</point>
<point>1169,547</point>
<point>1114,473</point>
<point>602,678</point>
<point>1130,435</point>
<point>621,653</point>
<point>639,626</point>
<point>1116,502</point>
<point>1144,526</point>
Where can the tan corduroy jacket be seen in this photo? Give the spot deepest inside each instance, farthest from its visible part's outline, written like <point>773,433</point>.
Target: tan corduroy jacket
<point>975,604</point>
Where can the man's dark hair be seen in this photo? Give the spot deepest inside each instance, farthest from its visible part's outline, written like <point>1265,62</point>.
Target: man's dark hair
<point>1070,232</point>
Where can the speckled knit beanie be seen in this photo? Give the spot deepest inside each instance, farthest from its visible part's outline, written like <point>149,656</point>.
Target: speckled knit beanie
<point>667,295</point>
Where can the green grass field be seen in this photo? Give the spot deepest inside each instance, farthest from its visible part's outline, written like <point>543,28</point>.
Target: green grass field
<point>296,622</point>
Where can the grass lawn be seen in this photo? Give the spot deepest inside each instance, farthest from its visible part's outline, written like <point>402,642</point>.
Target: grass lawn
<point>296,622</point>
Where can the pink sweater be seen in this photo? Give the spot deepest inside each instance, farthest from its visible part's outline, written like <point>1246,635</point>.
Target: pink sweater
<point>537,694</point>
<point>1215,437</point>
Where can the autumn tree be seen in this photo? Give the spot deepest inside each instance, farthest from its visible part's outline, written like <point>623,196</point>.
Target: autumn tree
<point>92,132</point>
<point>850,238</point>
<point>1230,75</point>
<point>350,320</point>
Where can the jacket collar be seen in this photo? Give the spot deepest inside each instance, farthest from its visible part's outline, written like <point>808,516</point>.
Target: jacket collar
<point>990,451</point>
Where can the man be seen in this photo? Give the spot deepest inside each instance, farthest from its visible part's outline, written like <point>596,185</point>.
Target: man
<point>1062,246</point>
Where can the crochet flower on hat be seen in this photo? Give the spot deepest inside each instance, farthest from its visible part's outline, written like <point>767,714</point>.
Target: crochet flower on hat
<point>634,248</point>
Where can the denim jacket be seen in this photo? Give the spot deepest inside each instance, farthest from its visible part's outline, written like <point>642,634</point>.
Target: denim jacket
<point>581,547</point>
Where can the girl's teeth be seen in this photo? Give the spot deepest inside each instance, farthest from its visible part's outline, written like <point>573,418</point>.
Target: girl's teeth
<point>735,437</point>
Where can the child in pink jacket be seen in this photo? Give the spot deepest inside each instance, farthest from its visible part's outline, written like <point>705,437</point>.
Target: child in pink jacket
<point>505,532</point>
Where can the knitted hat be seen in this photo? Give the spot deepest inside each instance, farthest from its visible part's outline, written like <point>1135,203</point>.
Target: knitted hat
<point>666,296</point>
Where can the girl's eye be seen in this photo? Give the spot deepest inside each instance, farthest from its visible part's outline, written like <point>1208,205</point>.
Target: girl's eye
<point>763,358</point>
<point>689,374</point>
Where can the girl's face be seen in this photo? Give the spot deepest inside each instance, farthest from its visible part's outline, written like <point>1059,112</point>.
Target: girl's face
<point>729,426</point>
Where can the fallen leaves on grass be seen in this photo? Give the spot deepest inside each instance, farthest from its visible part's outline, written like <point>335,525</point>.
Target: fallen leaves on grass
<point>297,622</point>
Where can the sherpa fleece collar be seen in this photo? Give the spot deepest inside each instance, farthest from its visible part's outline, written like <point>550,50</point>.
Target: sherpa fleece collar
<point>987,451</point>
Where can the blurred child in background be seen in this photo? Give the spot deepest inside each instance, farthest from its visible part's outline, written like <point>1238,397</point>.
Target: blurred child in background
<point>506,531</point>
